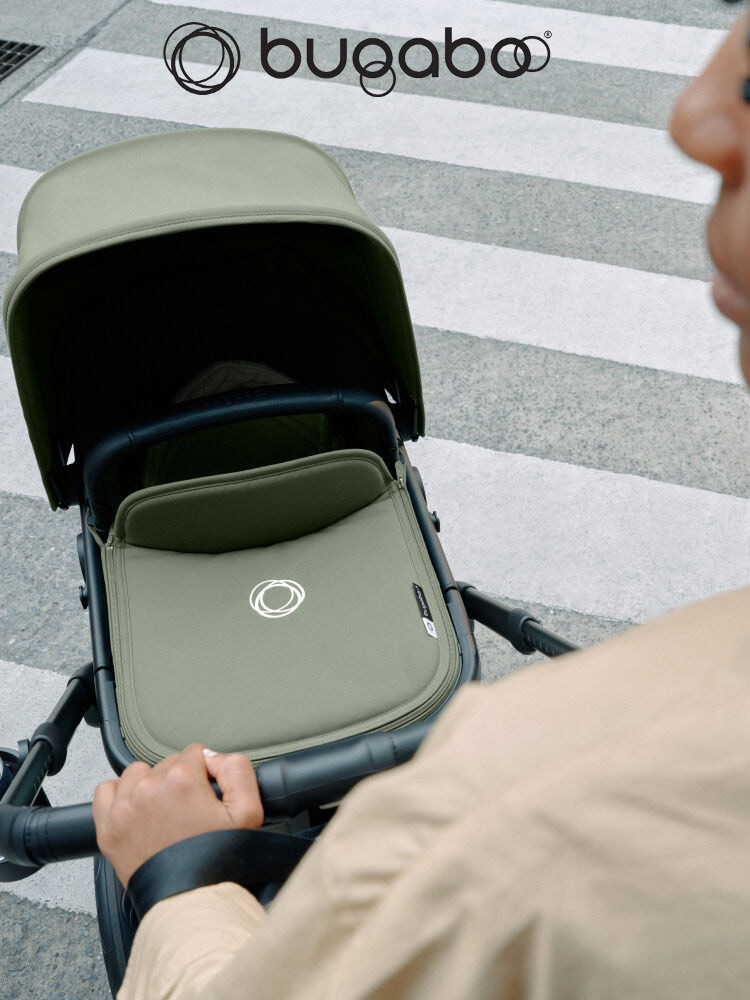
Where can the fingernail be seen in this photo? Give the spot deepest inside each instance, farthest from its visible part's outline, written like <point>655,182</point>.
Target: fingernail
<point>209,753</point>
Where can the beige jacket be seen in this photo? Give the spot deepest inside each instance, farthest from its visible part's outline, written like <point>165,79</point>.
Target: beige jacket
<point>580,830</point>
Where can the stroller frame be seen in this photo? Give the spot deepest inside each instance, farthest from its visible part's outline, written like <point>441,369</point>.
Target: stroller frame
<point>298,787</point>
<point>294,787</point>
<point>284,794</point>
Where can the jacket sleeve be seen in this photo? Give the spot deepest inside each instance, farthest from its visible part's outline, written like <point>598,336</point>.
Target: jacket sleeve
<point>371,911</point>
<point>549,839</point>
<point>218,941</point>
<point>185,941</point>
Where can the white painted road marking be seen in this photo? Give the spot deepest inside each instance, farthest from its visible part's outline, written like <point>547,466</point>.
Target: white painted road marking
<point>565,304</point>
<point>602,543</point>
<point>463,133</point>
<point>582,37</point>
<point>14,183</point>
<point>560,303</point>
<point>18,469</point>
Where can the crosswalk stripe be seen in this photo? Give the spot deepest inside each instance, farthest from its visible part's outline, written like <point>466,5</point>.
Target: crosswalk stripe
<point>606,544</point>
<point>14,185</point>
<point>553,532</point>
<point>588,38</point>
<point>28,697</point>
<point>622,546</point>
<point>580,307</point>
<point>562,147</point>
<point>18,470</point>
<point>603,543</point>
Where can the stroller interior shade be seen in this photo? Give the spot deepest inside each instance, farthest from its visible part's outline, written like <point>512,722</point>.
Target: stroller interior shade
<point>141,264</point>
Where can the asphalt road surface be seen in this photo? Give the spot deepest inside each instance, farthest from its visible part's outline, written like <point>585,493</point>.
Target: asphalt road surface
<point>587,434</point>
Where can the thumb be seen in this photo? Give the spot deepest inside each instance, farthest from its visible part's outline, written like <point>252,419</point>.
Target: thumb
<point>235,776</point>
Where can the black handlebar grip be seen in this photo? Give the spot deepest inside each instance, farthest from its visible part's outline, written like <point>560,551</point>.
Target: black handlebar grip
<point>31,836</point>
<point>322,775</point>
<point>34,835</point>
<point>215,411</point>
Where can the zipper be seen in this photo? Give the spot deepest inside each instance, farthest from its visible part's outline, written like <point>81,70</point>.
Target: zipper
<point>427,707</point>
<point>440,694</point>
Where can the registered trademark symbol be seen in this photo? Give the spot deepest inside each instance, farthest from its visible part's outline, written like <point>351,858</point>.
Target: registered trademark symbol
<point>548,34</point>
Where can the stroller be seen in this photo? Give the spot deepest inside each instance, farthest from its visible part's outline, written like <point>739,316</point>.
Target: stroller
<point>216,364</point>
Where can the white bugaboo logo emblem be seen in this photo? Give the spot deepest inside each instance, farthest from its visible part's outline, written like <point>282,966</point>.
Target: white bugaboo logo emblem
<point>258,598</point>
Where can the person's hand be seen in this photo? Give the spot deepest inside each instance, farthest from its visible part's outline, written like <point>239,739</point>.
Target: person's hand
<point>147,809</point>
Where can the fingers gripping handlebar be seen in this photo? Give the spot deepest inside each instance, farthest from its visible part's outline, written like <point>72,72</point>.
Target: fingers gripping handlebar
<point>32,836</point>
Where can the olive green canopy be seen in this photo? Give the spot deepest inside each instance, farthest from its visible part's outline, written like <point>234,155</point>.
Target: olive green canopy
<point>141,262</point>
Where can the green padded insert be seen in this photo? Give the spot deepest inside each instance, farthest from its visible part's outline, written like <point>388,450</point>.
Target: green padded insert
<point>243,510</point>
<point>273,610</point>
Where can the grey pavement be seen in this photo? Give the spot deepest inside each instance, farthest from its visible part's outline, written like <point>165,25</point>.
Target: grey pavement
<point>49,953</point>
<point>499,395</point>
<point>698,13</point>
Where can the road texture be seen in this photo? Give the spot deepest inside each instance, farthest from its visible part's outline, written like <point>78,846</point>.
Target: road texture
<point>587,436</point>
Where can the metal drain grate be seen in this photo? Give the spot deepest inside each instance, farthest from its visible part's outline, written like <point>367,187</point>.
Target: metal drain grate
<point>14,54</point>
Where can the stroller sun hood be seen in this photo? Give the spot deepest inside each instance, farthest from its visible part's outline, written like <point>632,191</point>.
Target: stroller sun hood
<point>88,225</point>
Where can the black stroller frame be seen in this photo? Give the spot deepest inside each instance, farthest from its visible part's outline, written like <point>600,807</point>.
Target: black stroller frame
<point>297,789</point>
<point>294,787</point>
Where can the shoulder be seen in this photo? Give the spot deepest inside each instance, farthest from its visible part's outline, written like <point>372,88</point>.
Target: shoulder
<point>646,678</point>
<point>636,711</point>
<point>585,812</point>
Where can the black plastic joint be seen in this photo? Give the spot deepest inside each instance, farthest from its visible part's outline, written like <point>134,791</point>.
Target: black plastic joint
<point>23,751</point>
<point>85,674</point>
<point>517,618</point>
<point>54,737</point>
<point>407,418</point>
<point>91,716</point>
<point>64,482</point>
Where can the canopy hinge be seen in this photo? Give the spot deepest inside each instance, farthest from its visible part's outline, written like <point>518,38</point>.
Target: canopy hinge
<point>65,484</point>
<point>406,415</point>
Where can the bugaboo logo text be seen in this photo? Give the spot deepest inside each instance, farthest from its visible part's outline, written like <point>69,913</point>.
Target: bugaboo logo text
<point>173,57</point>
<point>410,58</point>
<point>373,69</point>
<point>271,608</point>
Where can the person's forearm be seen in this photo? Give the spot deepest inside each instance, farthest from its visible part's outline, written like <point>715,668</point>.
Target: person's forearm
<point>185,941</point>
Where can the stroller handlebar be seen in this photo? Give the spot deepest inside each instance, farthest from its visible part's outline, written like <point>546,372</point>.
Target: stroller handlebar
<point>216,411</point>
<point>322,775</point>
<point>32,836</point>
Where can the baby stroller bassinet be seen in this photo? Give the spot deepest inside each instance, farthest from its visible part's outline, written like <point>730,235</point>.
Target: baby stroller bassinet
<point>216,364</point>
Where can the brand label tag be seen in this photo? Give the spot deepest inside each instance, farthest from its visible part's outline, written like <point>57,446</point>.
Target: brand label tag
<point>424,610</point>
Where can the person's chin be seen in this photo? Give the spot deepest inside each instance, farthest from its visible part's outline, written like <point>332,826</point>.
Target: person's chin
<point>731,301</point>
<point>734,303</point>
